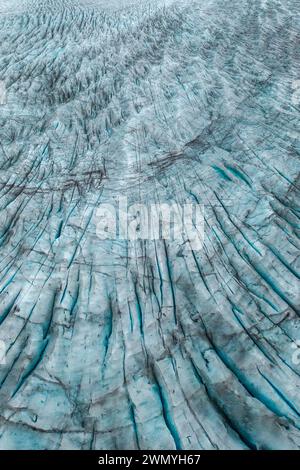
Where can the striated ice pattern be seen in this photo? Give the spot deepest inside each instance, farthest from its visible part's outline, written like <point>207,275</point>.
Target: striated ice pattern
<point>117,344</point>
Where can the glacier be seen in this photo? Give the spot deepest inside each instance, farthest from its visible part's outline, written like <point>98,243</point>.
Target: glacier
<point>121,344</point>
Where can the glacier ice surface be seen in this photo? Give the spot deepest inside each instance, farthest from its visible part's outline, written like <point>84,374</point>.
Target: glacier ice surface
<point>114,344</point>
